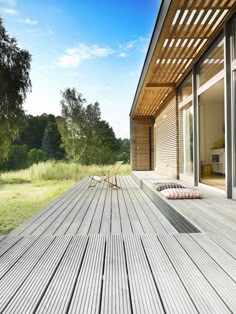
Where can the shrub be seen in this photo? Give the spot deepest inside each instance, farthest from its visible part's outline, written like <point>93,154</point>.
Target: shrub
<point>36,155</point>
<point>17,158</point>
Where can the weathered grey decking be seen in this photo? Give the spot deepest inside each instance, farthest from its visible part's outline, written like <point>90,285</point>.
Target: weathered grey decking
<point>213,213</point>
<point>84,210</point>
<point>112,251</point>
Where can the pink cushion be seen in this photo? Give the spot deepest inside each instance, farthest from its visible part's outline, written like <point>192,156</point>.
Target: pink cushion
<point>180,193</point>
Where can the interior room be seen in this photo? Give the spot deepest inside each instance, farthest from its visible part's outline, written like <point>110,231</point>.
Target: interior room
<point>212,136</point>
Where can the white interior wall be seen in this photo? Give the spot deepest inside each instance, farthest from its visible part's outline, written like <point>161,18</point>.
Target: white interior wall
<point>212,127</point>
<point>211,119</point>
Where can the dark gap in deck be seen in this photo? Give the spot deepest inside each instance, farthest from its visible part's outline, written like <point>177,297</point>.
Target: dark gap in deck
<point>128,280</point>
<point>181,224</point>
<point>102,283</point>
<point>77,276</point>
<point>205,276</point>
<point>153,277</point>
<point>50,279</point>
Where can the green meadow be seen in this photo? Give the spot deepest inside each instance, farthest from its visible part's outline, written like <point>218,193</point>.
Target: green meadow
<point>24,192</point>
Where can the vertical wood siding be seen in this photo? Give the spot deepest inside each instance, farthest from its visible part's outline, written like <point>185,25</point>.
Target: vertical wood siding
<point>140,143</point>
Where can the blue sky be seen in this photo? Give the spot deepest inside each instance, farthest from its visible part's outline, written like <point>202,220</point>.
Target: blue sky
<point>98,47</point>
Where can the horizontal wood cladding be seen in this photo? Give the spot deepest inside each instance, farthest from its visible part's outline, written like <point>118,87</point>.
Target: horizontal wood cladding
<point>166,140</point>
<point>142,144</point>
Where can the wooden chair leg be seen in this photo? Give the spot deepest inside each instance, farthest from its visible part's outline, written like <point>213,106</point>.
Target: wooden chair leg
<point>92,185</point>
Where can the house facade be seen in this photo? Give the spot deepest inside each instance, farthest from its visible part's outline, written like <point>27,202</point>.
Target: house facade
<point>183,117</point>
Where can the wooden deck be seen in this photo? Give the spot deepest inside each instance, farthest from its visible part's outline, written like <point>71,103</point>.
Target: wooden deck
<point>213,213</point>
<point>113,251</point>
<point>99,210</point>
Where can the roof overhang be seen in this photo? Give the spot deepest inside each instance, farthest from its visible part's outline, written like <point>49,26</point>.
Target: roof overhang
<point>183,30</point>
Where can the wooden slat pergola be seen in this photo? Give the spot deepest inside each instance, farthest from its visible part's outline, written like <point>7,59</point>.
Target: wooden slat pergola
<point>183,30</point>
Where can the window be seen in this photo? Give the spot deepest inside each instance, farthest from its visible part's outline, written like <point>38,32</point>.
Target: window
<point>213,62</point>
<point>186,139</point>
<point>234,126</point>
<point>185,89</point>
<point>234,39</point>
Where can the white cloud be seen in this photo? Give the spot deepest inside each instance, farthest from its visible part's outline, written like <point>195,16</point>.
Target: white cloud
<point>128,45</point>
<point>9,11</point>
<point>122,55</point>
<point>139,44</point>
<point>9,2</point>
<point>30,22</point>
<point>134,73</point>
<point>74,56</point>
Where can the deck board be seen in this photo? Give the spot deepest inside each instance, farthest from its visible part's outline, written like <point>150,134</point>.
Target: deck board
<point>115,214</point>
<point>66,213</point>
<point>219,280</point>
<point>30,293</point>
<point>201,292</point>
<point>134,218</point>
<point>14,253</point>
<point>144,295</point>
<point>14,278</point>
<point>159,223</point>
<point>173,293</point>
<point>46,211</point>
<point>120,274</point>
<point>106,216</point>
<point>81,211</point>
<point>227,244</point>
<point>72,215</point>
<point>86,296</point>
<point>97,218</point>
<point>101,250</point>
<point>115,294</point>
<point>58,294</point>
<point>146,223</point>
<point>7,243</point>
<point>222,258</point>
<point>89,214</point>
<point>126,227</point>
<point>98,210</point>
<point>213,213</point>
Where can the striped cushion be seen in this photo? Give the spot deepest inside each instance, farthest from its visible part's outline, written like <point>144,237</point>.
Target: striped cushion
<point>180,193</point>
<point>167,185</point>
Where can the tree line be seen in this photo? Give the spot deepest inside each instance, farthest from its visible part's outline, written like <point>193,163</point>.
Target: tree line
<point>78,135</point>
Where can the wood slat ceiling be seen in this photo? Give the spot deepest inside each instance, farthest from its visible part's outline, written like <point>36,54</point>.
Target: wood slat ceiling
<point>188,28</point>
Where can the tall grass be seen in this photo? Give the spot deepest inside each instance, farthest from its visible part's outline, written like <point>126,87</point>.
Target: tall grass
<point>57,170</point>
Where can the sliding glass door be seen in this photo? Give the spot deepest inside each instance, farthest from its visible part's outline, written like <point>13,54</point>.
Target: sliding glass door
<point>186,139</point>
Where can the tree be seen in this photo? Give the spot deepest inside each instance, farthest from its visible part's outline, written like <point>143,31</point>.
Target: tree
<point>51,142</point>
<point>102,147</point>
<point>86,137</point>
<point>17,158</point>
<point>36,155</point>
<point>73,125</point>
<point>33,129</point>
<point>124,149</point>
<point>15,83</point>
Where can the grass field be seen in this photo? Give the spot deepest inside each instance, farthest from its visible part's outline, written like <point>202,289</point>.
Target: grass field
<point>20,201</point>
<point>24,192</point>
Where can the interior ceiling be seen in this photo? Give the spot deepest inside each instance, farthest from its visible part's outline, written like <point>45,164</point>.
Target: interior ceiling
<point>215,94</point>
<point>187,29</point>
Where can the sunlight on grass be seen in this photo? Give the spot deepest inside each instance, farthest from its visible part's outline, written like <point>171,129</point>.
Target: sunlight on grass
<point>18,202</point>
<point>24,192</point>
<point>52,170</point>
